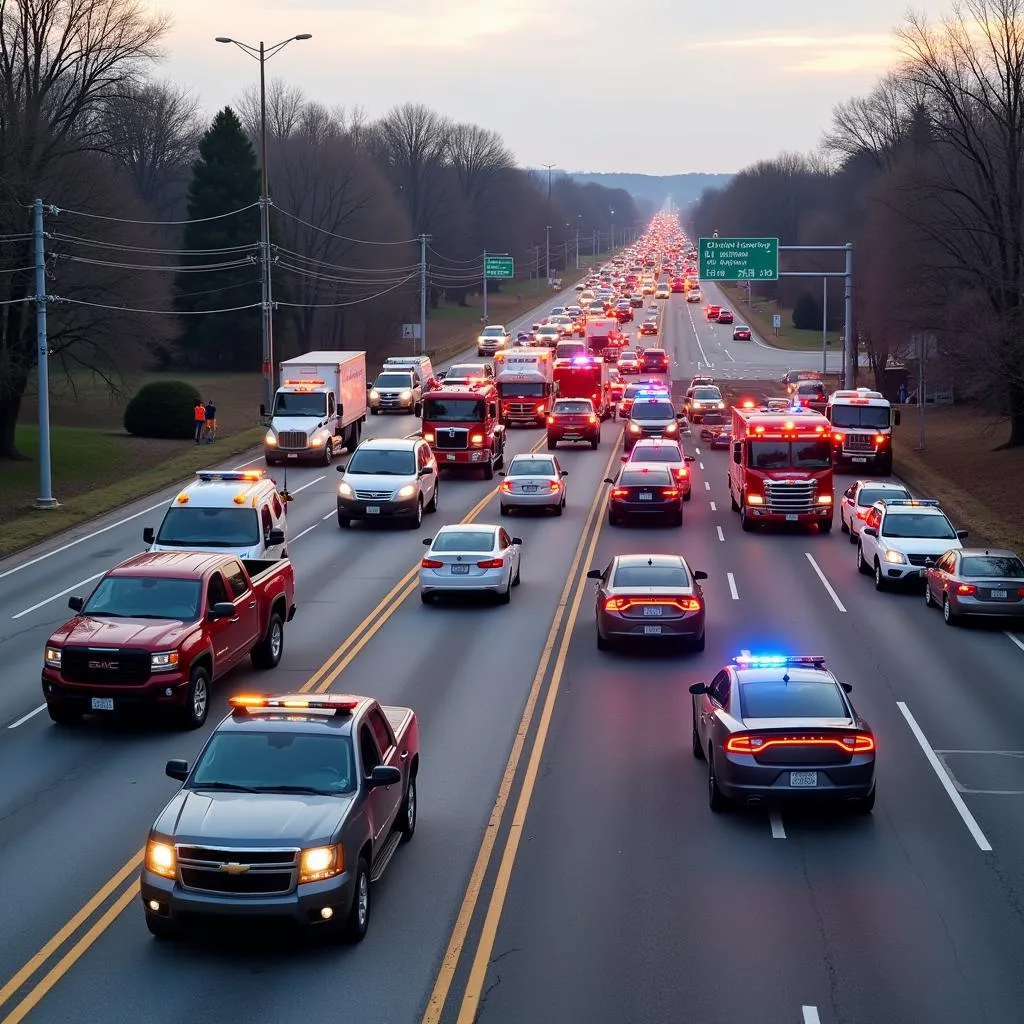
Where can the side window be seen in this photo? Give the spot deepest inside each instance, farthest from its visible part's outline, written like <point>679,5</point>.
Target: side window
<point>504,540</point>
<point>330,403</point>
<point>948,562</point>
<point>216,592</point>
<point>368,752</point>
<point>278,507</point>
<point>719,689</point>
<point>381,730</point>
<point>236,580</point>
<point>851,491</point>
<point>266,521</point>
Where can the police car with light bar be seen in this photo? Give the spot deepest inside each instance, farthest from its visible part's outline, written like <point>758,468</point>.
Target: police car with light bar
<point>291,812</point>
<point>236,512</point>
<point>779,727</point>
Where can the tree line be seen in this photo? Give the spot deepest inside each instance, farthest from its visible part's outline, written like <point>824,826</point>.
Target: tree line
<point>925,175</point>
<point>152,223</point>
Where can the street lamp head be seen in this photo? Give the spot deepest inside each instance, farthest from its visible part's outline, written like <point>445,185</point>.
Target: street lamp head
<point>223,39</point>
<point>304,35</point>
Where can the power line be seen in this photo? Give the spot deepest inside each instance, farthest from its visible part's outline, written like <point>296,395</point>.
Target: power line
<point>334,234</point>
<point>187,269</point>
<point>153,223</point>
<point>464,263</point>
<point>302,272</point>
<point>148,250</point>
<point>158,312</point>
<point>338,266</point>
<point>353,302</point>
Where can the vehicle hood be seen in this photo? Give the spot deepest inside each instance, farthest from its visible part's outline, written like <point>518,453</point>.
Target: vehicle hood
<point>152,634</point>
<point>920,545</point>
<point>308,424</point>
<point>283,819</point>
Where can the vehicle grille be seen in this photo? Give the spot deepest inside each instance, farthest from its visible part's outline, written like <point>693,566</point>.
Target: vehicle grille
<point>524,409</point>
<point>920,560</point>
<point>789,497</point>
<point>270,872</point>
<point>373,495</point>
<point>119,667</point>
<point>861,444</point>
<point>292,439</point>
<point>450,438</point>
<point>391,399</point>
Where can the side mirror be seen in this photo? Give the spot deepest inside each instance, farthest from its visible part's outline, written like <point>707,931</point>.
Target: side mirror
<point>680,415</point>
<point>595,574</point>
<point>699,574</point>
<point>869,531</point>
<point>76,604</point>
<point>426,471</point>
<point>263,411</point>
<point>176,769</point>
<point>341,468</point>
<point>689,458</point>
<point>517,540</point>
<point>275,537</point>
<point>847,687</point>
<point>427,541</point>
<point>624,458</point>
<point>148,535</point>
<point>608,479</point>
<point>501,472</point>
<point>565,472</point>
<point>698,688</point>
<point>896,418</point>
<point>221,610</point>
<point>384,775</point>
<point>962,534</point>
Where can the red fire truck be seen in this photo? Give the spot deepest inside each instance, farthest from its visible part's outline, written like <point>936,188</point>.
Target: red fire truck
<point>525,384</point>
<point>462,425</point>
<point>584,377</point>
<point>780,469</point>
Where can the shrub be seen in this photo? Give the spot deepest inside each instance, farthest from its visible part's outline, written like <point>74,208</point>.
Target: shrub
<point>163,408</point>
<point>807,313</point>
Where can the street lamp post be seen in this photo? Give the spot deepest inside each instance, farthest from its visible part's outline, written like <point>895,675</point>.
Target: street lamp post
<point>579,217</point>
<point>611,237</point>
<point>263,53</point>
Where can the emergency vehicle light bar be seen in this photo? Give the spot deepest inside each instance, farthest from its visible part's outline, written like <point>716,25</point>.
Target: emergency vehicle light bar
<point>328,703</point>
<point>779,660</point>
<point>303,383</point>
<point>230,474</point>
<point>925,502</point>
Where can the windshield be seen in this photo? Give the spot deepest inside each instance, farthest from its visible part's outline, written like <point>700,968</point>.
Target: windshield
<point>1007,567</point>
<point>651,576</point>
<point>453,410</point>
<point>522,390</point>
<point>382,462</point>
<point>393,380</point>
<point>871,416</point>
<point>531,467</point>
<point>659,453</point>
<point>643,477</point>
<point>867,497</point>
<point>790,455</point>
<point>145,597</point>
<point>653,411</point>
<point>917,525</point>
<point>791,700</point>
<point>190,526</point>
<point>494,332</point>
<point>282,761</point>
<point>300,403</point>
<point>707,395</point>
<point>472,541</point>
<point>573,408</point>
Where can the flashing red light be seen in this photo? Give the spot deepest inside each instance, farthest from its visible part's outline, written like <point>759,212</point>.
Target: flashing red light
<point>592,418</point>
<point>431,563</point>
<point>967,590</point>
<point>683,472</point>
<point>491,563</point>
<point>506,486</point>
<point>553,487</point>
<point>551,419</point>
<point>750,743</point>
<point>838,437</point>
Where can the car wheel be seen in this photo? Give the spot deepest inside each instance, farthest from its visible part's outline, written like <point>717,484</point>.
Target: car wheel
<point>688,495</point>
<point>328,453</point>
<point>862,565</point>
<point>426,598</point>
<point>197,698</point>
<point>63,716</point>
<point>716,801</point>
<point>842,524</point>
<point>489,467</point>
<point>358,920</point>
<point>160,927</point>
<point>880,581</point>
<point>552,445</point>
<point>344,522</point>
<point>594,444</point>
<point>516,580</point>
<point>949,616</point>
<point>505,597</point>
<point>406,821</point>
<point>929,601</point>
<point>613,520</point>
<point>701,642</point>
<point>417,520</point>
<point>374,411</point>
<point>602,642</point>
<point>503,509</point>
<point>267,653</point>
<point>557,509</point>
<point>827,527</point>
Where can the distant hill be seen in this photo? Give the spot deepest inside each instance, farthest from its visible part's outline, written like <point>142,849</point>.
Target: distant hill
<point>657,188</point>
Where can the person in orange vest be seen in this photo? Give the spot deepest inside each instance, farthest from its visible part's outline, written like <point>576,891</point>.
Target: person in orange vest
<point>199,414</point>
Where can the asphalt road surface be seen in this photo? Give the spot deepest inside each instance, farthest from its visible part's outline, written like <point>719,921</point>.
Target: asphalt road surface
<point>566,866</point>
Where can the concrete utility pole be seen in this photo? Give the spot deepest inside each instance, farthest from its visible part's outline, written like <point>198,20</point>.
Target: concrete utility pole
<point>423,293</point>
<point>547,252</point>
<point>579,217</point>
<point>46,499</point>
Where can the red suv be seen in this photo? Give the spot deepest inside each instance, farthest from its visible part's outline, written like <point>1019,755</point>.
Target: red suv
<point>725,316</point>
<point>712,312</point>
<point>573,419</point>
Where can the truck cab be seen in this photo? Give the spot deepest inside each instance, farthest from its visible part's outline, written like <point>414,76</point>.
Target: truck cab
<point>525,384</point>
<point>862,422</point>
<point>462,424</point>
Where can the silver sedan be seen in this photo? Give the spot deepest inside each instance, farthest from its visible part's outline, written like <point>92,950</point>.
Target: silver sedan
<point>470,558</point>
<point>975,581</point>
<point>533,481</point>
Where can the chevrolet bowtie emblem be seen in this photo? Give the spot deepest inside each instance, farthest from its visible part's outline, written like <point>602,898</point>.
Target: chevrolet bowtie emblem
<point>234,868</point>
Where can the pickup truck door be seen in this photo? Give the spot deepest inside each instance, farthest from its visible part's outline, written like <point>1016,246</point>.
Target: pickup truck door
<point>246,624</point>
<point>220,631</point>
<point>383,801</point>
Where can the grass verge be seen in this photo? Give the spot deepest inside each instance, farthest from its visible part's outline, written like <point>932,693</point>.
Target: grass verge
<point>759,316</point>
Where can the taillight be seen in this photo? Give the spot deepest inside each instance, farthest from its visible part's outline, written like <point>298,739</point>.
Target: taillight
<point>554,487</point>
<point>670,492</point>
<point>967,589</point>
<point>491,563</point>
<point>620,492</point>
<point>476,439</point>
<point>506,486</point>
<point>682,473</point>
<point>431,563</point>
<point>621,604</point>
<point>879,438</point>
<point>749,743</point>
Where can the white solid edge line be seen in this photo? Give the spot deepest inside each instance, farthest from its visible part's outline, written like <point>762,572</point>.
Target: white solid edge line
<point>778,829</point>
<point>54,597</point>
<point>25,718</point>
<point>824,582</point>
<point>310,484</point>
<point>733,592</point>
<point>308,529</point>
<point>323,519</point>
<point>811,1015</point>
<point>721,536</point>
<point>947,782</point>
<point>1014,639</point>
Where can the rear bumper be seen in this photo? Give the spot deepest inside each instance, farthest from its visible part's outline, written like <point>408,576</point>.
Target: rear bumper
<point>689,626</point>
<point>645,509</point>
<point>594,434</point>
<point>741,778</point>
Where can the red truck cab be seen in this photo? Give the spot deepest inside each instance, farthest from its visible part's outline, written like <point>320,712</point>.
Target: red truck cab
<point>160,627</point>
<point>780,467</point>
<point>584,377</point>
<point>462,424</point>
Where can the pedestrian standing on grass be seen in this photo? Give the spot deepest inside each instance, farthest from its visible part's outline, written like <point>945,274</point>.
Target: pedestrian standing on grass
<point>199,415</point>
<point>211,421</point>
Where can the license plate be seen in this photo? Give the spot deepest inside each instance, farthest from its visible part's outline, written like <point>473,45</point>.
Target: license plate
<point>102,704</point>
<point>803,779</point>
<point>791,518</point>
<point>529,489</point>
<point>999,593</point>
<point>450,458</point>
<point>373,510</point>
<point>460,570</point>
<point>652,610</point>
<point>652,630</point>
<point>858,458</point>
<point>646,496</point>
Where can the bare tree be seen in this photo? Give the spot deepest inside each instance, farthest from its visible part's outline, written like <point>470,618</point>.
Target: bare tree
<point>480,158</point>
<point>285,104</point>
<point>59,61</point>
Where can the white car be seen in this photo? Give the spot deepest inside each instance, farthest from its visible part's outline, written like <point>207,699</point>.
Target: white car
<point>388,478</point>
<point>899,537</point>
<point>858,499</point>
<point>533,481</point>
<point>470,558</point>
<point>492,338</point>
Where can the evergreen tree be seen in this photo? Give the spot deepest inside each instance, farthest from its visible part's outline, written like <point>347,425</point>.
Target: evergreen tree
<point>224,178</point>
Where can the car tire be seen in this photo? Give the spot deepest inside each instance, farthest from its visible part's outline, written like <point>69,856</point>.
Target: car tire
<point>505,596</point>
<point>417,520</point>
<point>862,565</point>
<point>929,601</point>
<point>552,445</point>
<point>374,412</point>
<point>843,528</point>
<point>701,642</point>
<point>557,509</point>
<point>267,653</point>
<point>358,920</point>
<point>602,642</point>
<point>161,928</point>
<point>695,744</point>
<point>880,581</point>
<point>503,510</point>
<point>688,495</point>
<point>63,716</point>
<point>949,616</point>
<point>613,520</point>
<point>827,527</point>
<point>746,522</point>
<point>426,598</point>
<point>489,467</point>
<point>344,522</point>
<point>197,698</point>
<point>434,498</point>
<point>328,453</point>
<point>405,823</point>
<point>516,580</point>
<point>594,444</point>
<point>716,801</point>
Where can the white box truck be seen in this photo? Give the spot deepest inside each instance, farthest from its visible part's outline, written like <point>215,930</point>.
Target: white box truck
<point>319,408</point>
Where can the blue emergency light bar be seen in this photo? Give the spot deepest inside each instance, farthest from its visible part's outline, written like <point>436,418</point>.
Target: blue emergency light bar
<point>230,474</point>
<point>925,502</point>
<point>582,360</point>
<point>779,660</point>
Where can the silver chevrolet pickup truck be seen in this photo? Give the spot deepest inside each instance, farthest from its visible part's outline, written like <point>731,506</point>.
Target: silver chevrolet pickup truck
<point>293,809</point>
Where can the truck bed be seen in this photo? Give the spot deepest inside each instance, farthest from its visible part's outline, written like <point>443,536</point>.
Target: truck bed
<point>259,568</point>
<point>399,719</point>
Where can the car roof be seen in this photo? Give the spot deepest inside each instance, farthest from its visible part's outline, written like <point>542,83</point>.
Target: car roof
<point>775,674</point>
<point>222,493</point>
<point>889,509</point>
<point>991,552</point>
<point>655,442</point>
<point>169,564</point>
<point>882,485</point>
<point>406,444</point>
<point>468,528</point>
<point>644,559</point>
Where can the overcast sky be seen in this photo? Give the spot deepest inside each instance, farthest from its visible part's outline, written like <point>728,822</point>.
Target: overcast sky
<point>651,86</point>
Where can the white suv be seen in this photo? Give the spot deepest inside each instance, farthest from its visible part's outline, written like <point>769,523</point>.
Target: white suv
<point>899,537</point>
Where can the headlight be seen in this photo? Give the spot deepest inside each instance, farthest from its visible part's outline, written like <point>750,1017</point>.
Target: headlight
<point>160,859</point>
<point>696,405</point>
<point>405,396</point>
<point>321,862</point>
<point>374,394</point>
<point>721,405</point>
<point>51,656</point>
<point>407,491</point>
<point>270,440</point>
<point>634,428</point>
<point>165,661</point>
<point>895,557</point>
<point>345,490</point>
<point>671,428</point>
<point>316,442</point>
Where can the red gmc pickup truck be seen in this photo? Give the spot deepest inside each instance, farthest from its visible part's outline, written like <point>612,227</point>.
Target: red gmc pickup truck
<point>160,627</point>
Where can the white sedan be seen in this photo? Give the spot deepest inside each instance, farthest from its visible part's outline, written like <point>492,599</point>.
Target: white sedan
<point>470,558</point>
<point>858,499</point>
<point>533,481</point>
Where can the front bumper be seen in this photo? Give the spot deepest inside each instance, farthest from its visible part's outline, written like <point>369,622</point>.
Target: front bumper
<point>166,689</point>
<point>274,454</point>
<point>357,508</point>
<point>386,402</point>
<point>462,457</point>
<point>764,515</point>
<point>741,778</point>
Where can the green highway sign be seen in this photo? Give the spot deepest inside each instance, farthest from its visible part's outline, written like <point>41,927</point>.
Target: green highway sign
<point>738,259</point>
<point>499,266</point>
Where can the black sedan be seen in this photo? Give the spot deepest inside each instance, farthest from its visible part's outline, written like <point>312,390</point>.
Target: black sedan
<point>774,728</point>
<point>649,598</point>
<point>644,492</point>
